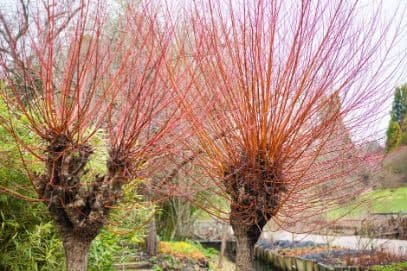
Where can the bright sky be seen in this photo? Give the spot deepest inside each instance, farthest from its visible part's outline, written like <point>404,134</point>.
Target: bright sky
<point>390,7</point>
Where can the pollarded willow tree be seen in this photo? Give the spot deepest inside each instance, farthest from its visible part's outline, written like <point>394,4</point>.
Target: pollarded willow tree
<point>282,89</point>
<point>71,73</point>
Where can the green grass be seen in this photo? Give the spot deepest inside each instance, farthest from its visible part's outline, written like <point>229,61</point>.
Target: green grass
<point>393,267</point>
<point>377,201</point>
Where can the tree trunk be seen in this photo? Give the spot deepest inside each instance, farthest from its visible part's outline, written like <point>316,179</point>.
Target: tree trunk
<point>244,249</point>
<point>223,244</point>
<point>76,252</point>
<point>151,238</point>
<point>79,210</point>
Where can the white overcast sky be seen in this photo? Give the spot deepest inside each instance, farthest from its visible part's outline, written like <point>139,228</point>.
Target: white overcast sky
<point>390,7</point>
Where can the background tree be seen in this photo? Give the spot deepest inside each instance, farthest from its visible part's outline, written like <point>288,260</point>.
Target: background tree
<point>262,74</point>
<point>177,215</point>
<point>397,131</point>
<point>92,81</point>
<point>394,135</point>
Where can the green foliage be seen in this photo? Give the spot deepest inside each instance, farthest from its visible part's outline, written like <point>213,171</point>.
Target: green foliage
<point>102,251</point>
<point>397,131</point>
<point>187,249</point>
<point>377,201</point>
<point>394,267</point>
<point>42,250</point>
<point>97,161</point>
<point>399,109</point>
<point>131,214</point>
<point>126,230</point>
<point>28,240</point>
<point>403,127</point>
<point>393,136</point>
<point>175,255</point>
<point>175,219</point>
<point>31,248</point>
<point>181,250</point>
<point>208,252</point>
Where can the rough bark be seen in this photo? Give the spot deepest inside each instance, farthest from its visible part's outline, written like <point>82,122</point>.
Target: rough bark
<point>76,252</point>
<point>79,208</point>
<point>255,187</point>
<point>246,238</point>
<point>151,238</point>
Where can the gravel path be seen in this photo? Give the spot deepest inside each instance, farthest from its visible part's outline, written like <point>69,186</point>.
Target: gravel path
<point>398,247</point>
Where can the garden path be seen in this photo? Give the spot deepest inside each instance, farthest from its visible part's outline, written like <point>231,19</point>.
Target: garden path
<point>398,247</point>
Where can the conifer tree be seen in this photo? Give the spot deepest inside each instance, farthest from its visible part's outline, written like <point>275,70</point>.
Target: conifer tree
<point>398,123</point>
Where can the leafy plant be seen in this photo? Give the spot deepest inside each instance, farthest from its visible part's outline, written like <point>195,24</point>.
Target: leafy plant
<point>103,249</point>
<point>181,250</point>
<point>38,248</point>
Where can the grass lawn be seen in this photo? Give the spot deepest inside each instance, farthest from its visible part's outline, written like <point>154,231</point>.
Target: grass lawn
<point>393,267</point>
<point>377,201</point>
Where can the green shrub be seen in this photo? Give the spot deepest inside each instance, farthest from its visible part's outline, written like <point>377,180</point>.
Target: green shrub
<point>187,249</point>
<point>37,248</point>
<point>102,251</point>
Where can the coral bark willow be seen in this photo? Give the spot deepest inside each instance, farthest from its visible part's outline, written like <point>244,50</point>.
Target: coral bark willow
<point>77,77</point>
<point>264,74</point>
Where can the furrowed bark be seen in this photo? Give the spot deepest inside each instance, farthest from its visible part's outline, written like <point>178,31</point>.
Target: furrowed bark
<point>76,252</point>
<point>246,238</point>
<point>244,249</point>
<point>253,202</point>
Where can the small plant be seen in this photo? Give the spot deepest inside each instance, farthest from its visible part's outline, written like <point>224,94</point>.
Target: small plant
<point>181,250</point>
<point>181,255</point>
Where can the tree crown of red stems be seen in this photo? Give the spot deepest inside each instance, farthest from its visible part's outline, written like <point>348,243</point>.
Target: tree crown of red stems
<point>284,95</point>
<point>81,71</point>
<point>74,71</point>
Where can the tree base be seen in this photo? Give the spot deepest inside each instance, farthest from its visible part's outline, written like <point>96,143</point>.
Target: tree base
<point>76,252</point>
<point>244,249</point>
